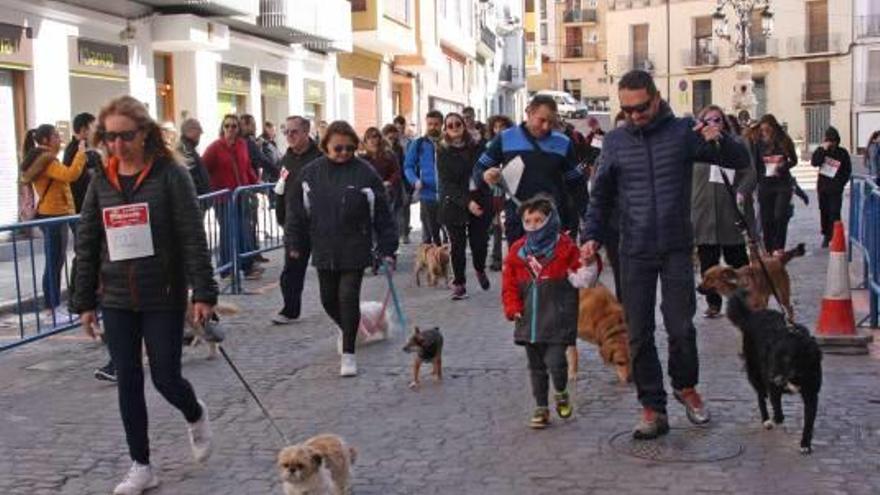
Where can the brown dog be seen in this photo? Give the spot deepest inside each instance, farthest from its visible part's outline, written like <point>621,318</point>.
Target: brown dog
<point>194,333</point>
<point>319,466</point>
<point>428,347</point>
<point>601,322</point>
<point>434,260</point>
<point>724,280</point>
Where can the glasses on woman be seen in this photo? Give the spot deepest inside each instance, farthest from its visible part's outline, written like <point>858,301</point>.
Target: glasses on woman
<point>713,120</point>
<point>347,148</point>
<point>127,136</point>
<point>230,125</point>
<point>454,124</point>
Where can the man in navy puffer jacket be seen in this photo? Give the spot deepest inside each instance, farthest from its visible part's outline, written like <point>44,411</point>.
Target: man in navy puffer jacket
<point>646,167</point>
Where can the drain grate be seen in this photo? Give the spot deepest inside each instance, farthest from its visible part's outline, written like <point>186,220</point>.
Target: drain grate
<point>680,445</point>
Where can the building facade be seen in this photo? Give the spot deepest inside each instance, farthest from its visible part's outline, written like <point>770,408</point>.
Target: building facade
<point>866,72</point>
<point>801,73</point>
<point>572,36</point>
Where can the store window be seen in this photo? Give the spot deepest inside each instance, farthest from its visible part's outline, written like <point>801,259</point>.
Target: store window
<point>164,75</point>
<point>233,88</point>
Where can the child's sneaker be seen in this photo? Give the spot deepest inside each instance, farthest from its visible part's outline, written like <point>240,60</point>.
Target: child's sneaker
<point>540,418</point>
<point>563,405</point>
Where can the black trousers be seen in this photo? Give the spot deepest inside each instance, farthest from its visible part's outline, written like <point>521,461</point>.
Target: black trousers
<point>775,204</point>
<point>430,224</point>
<point>162,333</point>
<point>293,279</point>
<point>497,231</point>
<point>544,358</point>
<point>403,215</point>
<point>830,204</point>
<point>341,296</point>
<point>710,255</point>
<point>612,247</point>
<point>676,274</point>
<point>475,233</point>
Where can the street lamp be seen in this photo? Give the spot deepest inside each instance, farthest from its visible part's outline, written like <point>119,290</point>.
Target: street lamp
<point>743,12</point>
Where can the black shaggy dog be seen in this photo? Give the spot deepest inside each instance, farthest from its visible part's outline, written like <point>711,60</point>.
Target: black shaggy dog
<point>779,359</point>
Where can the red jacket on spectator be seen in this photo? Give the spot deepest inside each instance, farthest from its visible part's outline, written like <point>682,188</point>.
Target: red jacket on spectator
<point>229,166</point>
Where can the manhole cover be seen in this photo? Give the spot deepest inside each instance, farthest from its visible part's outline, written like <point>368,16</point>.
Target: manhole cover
<point>680,445</point>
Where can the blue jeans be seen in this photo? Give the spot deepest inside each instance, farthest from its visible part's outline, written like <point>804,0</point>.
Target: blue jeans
<point>639,276</point>
<point>55,255</point>
<point>243,226</point>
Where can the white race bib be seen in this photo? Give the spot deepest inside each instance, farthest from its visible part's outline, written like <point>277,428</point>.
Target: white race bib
<point>128,231</point>
<point>715,174</point>
<point>597,142</point>
<point>830,167</point>
<point>772,163</point>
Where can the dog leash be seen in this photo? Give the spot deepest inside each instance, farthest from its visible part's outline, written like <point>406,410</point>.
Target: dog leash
<point>253,394</point>
<point>743,225</point>
<point>394,297</point>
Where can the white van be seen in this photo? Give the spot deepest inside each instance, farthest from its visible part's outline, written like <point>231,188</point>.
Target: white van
<point>569,107</point>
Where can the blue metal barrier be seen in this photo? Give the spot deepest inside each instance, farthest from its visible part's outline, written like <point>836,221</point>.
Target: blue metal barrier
<point>239,225</point>
<point>256,231</point>
<point>40,272</point>
<point>864,233</point>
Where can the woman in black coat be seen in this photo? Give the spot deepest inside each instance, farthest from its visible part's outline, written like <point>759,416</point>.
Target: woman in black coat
<point>340,208</point>
<point>775,156</point>
<point>140,249</point>
<point>464,209</point>
<point>835,169</point>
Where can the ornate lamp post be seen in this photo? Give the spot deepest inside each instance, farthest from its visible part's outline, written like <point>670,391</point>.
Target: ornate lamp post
<point>744,101</point>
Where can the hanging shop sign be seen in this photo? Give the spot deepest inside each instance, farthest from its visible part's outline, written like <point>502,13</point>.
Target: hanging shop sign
<point>93,58</point>
<point>234,79</point>
<point>273,84</point>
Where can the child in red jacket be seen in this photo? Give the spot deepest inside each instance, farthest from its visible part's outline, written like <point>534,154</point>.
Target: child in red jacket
<point>542,272</point>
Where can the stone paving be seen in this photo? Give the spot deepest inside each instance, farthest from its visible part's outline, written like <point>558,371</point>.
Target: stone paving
<point>60,431</point>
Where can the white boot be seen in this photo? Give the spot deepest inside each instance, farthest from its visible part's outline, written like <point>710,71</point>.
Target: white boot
<point>349,365</point>
<point>200,436</point>
<point>139,478</point>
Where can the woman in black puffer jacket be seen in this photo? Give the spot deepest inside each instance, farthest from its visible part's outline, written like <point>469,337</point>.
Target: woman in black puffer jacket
<point>339,206</point>
<point>464,209</point>
<point>140,246</point>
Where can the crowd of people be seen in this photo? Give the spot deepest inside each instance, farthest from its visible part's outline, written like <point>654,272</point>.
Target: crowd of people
<point>648,192</point>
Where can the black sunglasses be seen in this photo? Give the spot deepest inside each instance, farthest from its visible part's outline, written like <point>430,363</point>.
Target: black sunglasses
<point>713,120</point>
<point>455,124</point>
<point>127,136</point>
<point>230,126</point>
<point>339,148</point>
<point>640,108</point>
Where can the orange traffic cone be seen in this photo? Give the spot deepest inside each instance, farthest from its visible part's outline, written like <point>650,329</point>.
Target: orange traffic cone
<point>836,328</point>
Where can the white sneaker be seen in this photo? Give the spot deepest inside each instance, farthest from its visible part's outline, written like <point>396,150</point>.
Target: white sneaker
<point>139,478</point>
<point>200,436</point>
<point>349,365</point>
<point>280,319</point>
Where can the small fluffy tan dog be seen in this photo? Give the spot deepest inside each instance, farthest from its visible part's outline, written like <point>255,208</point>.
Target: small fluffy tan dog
<point>601,322</point>
<point>319,466</point>
<point>434,260</point>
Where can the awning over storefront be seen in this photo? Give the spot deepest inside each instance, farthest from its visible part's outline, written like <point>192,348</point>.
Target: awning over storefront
<point>273,84</point>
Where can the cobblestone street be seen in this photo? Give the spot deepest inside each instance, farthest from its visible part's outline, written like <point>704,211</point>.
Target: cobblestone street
<point>60,430</point>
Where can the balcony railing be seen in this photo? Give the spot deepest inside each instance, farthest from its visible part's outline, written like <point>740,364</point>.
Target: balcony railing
<point>815,43</point>
<point>630,62</point>
<point>700,56</point>
<point>868,26</point>
<point>816,91</point>
<point>581,15</point>
<point>582,50</point>
<point>510,74</point>
<point>868,93</point>
<point>488,37</point>
<point>759,47</point>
